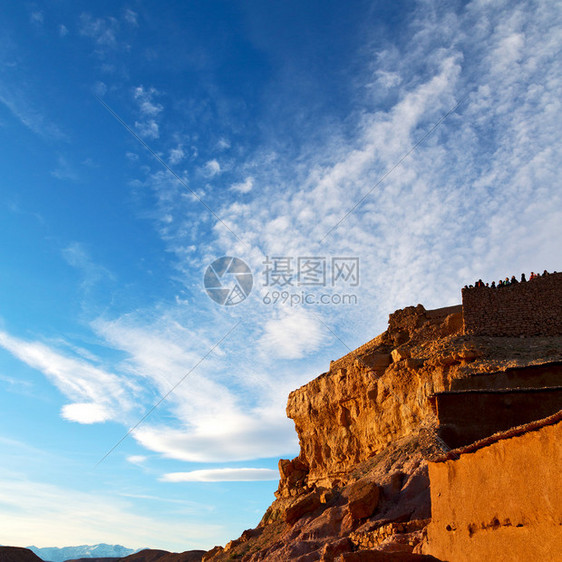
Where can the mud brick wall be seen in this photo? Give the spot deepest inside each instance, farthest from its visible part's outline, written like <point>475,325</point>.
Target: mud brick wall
<point>533,308</point>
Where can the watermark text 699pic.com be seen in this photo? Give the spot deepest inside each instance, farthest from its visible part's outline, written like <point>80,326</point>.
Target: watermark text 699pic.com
<point>302,298</point>
<point>287,280</point>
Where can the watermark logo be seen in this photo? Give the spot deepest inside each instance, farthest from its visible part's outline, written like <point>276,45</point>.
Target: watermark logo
<point>311,271</point>
<point>228,281</point>
<point>298,280</point>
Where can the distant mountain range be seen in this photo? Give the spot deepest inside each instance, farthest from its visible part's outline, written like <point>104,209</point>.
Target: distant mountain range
<point>55,554</point>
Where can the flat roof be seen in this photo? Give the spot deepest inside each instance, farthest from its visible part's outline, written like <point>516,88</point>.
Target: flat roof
<point>455,454</point>
<point>525,390</point>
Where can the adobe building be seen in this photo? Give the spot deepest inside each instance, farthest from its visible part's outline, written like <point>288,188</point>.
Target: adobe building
<point>497,495</point>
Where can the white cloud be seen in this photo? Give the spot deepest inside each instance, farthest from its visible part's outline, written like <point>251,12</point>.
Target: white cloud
<point>76,255</point>
<point>215,419</point>
<point>212,168</point>
<point>86,413</point>
<point>16,101</point>
<point>63,30</point>
<point>176,155</point>
<point>488,167</point>
<point>291,334</point>
<point>223,144</point>
<point>222,475</point>
<point>130,17</point>
<point>244,187</point>
<point>137,459</point>
<point>64,170</point>
<point>102,30</point>
<point>37,17</point>
<point>148,129</point>
<point>228,436</point>
<point>387,80</point>
<point>144,98</point>
<point>100,88</point>
<point>99,395</point>
<point>149,111</point>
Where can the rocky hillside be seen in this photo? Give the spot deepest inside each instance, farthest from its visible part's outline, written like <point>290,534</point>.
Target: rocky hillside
<point>359,488</point>
<point>16,554</point>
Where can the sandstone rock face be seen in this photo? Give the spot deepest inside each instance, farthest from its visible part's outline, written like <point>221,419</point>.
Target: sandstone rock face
<point>363,497</point>
<point>400,353</point>
<point>376,361</point>
<point>305,504</point>
<point>352,412</point>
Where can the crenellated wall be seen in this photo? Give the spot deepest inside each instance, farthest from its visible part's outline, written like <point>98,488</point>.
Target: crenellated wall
<point>533,308</point>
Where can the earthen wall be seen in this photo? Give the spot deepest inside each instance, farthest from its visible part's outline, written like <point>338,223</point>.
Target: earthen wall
<point>500,502</point>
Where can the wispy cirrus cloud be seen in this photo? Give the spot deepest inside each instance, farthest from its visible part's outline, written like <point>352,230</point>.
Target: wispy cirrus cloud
<point>93,273</point>
<point>212,168</point>
<point>97,395</point>
<point>27,113</point>
<point>222,475</point>
<point>102,30</point>
<point>37,17</point>
<point>438,219</point>
<point>65,170</point>
<point>131,17</point>
<point>244,186</point>
<point>220,413</point>
<point>149,110</point>
<point>177,154</point>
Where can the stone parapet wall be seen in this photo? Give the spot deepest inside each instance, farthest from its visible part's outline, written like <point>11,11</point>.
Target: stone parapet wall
<point>533,308</point>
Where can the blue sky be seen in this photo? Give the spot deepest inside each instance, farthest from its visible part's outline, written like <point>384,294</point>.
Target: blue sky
<point>141,141</point>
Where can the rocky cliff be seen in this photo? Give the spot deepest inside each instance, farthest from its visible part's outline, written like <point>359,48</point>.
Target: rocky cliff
<point>367,428</point>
